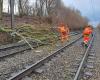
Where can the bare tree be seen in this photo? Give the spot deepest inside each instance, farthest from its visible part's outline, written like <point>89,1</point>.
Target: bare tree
<point>20,8</point>
<point>23,7</point>
<point>1,9</point>
<point>12,2</point>
<point>8,6</point>
<point>52,11</point>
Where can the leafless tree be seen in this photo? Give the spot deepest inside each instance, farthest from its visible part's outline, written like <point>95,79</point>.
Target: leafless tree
<point>1,9</point>
<point>23,7</point>
<point>52,11</point>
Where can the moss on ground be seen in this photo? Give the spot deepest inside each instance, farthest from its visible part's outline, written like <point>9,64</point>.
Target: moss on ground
<point>40,32</point>
<point>5,30</point>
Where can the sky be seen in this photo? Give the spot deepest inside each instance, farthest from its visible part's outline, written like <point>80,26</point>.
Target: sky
<point>88,8</point>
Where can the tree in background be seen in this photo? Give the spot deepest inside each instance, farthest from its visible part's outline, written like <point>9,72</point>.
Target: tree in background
<point>51,11</point>
<point>1,9</point>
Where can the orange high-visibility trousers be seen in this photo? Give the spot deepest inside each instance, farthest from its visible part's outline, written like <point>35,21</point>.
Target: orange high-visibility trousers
<point>63,36</point>
<point>86,40</point>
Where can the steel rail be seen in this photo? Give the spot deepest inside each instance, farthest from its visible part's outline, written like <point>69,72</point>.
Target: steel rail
<point>81,66</point>
<point>4,47</point>
<point>13,45</point>
<point>38,64</point>
<point>16,45</point>
<point>4,53</point>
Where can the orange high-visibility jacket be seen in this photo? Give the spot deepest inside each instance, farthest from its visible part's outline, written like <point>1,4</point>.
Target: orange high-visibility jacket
<point>86,31</point>
<point>62,29</point>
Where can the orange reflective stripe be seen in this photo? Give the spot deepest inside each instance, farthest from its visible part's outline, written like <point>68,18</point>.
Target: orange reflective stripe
<point>62,29</point>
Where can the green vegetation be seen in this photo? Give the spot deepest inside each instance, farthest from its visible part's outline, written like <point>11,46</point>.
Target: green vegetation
<point>5,29</point>
<point>40,33</point>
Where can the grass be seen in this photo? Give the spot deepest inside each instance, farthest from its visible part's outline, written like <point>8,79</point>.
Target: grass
<point>5,29</point>
<point>40,32</point>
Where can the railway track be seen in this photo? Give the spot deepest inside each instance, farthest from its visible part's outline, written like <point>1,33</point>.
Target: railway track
<point>11,49</point>
<point>40,63</point>
<point>86,65</point>
<point>80,69</point>
<point>20,47</point>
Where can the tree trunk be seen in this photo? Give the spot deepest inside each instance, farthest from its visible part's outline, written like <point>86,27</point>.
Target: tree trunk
<point>12,13</point>
<point>20,8</point>
<point>1,9</point>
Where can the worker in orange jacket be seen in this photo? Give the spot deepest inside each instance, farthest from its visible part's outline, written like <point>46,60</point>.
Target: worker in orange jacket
<point>64,32</point>
<point>86,35</point>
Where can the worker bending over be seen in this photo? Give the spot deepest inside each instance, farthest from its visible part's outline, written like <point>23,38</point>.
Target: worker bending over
<point>64,32</point>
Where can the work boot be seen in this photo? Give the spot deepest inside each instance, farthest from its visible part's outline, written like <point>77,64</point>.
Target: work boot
<point>86,46</point>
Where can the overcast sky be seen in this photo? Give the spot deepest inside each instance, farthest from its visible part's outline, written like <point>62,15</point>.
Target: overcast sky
<point>88,8</point>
